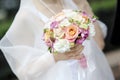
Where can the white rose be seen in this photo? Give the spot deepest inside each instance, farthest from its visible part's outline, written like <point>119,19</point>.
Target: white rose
<point>62,45</point>
<point>65,22</point>
<point>78,18</point>
<point>92,30</point>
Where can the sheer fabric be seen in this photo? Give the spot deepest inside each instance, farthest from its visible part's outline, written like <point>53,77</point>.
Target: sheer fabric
<point>29,58</point>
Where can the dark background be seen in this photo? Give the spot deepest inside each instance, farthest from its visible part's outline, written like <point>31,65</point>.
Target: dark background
<point>115,36</point>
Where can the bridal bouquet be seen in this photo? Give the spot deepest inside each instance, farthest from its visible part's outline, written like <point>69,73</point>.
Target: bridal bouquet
<point>68,28</point>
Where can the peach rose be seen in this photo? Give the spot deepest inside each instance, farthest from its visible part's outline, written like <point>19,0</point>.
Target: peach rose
<point>71,32</point>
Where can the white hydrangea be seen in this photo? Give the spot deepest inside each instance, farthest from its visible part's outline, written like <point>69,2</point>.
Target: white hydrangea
<point>62,45</point>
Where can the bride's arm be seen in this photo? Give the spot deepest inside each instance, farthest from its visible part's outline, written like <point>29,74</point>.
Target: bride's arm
<point>99,38</point>
<point>26,57</point>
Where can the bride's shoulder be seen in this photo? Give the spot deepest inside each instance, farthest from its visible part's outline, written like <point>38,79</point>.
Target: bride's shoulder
<point>24,14</point>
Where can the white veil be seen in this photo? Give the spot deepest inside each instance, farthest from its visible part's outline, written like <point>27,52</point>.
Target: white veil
<point>24,48</point>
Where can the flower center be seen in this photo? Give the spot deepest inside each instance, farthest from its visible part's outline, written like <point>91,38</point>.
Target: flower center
<point>72,32</point>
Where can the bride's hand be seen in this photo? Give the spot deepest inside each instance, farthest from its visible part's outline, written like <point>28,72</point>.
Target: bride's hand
<point>74,53</point>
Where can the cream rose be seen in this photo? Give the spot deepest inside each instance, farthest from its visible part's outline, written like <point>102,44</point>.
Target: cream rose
<point>58,33</point>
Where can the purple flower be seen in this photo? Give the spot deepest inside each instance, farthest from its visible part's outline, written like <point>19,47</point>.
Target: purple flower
<point>80,30</point>
<point>93,20</point>
<point>84,13</point>
<point>85,34</point>
<point>80,41</point>
<point>54,24</point>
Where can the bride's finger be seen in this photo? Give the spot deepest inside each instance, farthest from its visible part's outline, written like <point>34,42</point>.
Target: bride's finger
<point>76,46</point>
<point>76,57</point>
<point>75,54</point>
<point>77,49</point>
<point>72,54</point>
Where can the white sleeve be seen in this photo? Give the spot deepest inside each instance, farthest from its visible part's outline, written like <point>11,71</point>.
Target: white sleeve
<point>24,48</point>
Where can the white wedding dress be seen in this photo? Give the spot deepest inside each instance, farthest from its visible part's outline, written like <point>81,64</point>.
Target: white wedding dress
<point>29,58</point>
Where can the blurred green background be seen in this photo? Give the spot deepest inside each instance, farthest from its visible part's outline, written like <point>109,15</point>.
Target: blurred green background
<point>104,9</point>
